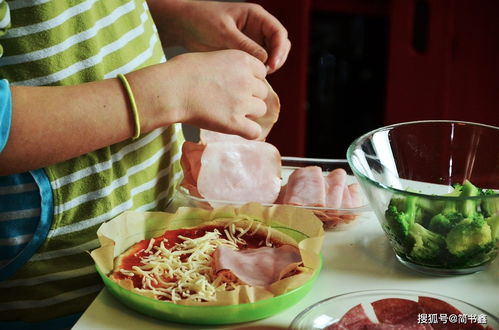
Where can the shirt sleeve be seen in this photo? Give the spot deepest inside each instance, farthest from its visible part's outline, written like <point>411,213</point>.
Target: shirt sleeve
<point>5,112</point>
<point>5,96</point>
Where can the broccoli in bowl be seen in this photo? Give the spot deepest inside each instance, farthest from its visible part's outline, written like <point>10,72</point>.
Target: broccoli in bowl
<point>456,230</point>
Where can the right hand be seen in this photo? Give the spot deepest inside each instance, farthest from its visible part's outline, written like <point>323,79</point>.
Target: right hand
<point>223,91</point>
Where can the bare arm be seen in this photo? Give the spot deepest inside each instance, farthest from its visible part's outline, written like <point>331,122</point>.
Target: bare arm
<point>222,91</point>
<point>53,124</point>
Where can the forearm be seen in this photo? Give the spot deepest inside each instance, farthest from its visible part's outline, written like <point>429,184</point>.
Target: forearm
<point>53,124</point>
<point>222,91</point>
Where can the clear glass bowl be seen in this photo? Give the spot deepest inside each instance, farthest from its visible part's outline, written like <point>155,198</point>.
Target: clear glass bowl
<point>334,219</point>
<point>325,313</point>
<point>420,161</point>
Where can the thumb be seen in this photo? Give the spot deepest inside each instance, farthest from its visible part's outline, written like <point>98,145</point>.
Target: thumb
<point>246,44</point>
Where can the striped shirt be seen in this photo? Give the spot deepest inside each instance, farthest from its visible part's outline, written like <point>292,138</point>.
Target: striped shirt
<point>46,273</point>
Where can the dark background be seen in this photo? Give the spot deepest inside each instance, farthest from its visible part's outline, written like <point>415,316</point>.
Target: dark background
<point>356,65</point>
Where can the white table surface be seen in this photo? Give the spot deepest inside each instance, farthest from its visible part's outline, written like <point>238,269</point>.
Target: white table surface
<point>355,259</point>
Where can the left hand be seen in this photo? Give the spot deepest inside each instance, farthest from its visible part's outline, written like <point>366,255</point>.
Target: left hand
<point>210,25</point>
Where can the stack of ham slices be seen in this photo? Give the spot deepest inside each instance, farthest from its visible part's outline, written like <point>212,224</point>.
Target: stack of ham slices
<point>225,168</point>
<point>405,314</point>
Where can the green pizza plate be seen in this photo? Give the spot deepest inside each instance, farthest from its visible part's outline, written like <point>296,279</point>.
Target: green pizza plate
<point>209,315</point>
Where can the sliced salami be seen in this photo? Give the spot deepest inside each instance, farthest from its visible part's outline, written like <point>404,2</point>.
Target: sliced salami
<point>385,326</point>
<point>354,319</point>
<point>396,311</point>
<point>404,314</point>
<point>439,307</point>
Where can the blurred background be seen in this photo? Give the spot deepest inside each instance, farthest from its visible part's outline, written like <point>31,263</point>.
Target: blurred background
<point>356,65</point>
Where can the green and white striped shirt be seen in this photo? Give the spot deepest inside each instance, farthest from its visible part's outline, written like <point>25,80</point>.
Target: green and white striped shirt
<point>67,42</point>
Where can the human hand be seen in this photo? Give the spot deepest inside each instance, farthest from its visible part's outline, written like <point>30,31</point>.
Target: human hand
<point>209,25</point>
<point>222,91</point>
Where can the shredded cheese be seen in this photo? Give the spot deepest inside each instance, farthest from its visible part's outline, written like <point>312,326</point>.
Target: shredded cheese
<point>184,271</point>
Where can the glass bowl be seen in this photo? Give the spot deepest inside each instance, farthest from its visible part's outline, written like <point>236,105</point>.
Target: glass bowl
<point>334,219</point>
<point>435,310</point>
<point>408,172</point>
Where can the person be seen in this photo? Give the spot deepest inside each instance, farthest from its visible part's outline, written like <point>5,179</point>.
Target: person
<point>90,115</point>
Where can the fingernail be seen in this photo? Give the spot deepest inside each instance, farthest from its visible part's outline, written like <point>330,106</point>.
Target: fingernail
<point>261,54</point>
<point>278,62</point>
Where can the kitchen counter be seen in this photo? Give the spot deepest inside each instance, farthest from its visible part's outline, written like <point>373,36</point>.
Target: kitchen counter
<point>358,258</point>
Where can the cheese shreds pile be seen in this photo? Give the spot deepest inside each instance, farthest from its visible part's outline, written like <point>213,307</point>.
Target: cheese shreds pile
<point>184,271</point>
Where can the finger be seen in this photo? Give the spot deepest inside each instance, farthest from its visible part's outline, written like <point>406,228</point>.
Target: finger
<point>276,61</point>
<point>258,68</point>
<point>256,108</point>
<point>251,130</point>
<point>276,41</point>
<point>246,44</point>
<point>260,89</point>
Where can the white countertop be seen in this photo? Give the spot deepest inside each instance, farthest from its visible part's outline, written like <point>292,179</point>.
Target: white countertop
<point>355,259</point>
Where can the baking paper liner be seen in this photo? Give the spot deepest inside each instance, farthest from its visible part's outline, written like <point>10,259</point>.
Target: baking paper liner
<point>120,233</point>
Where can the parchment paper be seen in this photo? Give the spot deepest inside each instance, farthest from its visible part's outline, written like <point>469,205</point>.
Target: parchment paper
<point>120,233</point>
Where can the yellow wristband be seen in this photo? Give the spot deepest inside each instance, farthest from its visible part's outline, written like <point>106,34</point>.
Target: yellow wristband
<point>135,110</point>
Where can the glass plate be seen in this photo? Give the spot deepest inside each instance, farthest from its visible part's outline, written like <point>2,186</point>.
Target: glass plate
<point>326,313</point>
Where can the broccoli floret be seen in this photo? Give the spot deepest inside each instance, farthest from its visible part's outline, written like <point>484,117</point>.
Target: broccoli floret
<point>448,216</point>
<point>427,245</point>
<point>400,215</point>
<point>449,232</point>
<point>457,189</point>
<point>469,237</point>
<point>442,223</point>
<point>489,206</point>
<point>493,223</point>
<point>469,208</point>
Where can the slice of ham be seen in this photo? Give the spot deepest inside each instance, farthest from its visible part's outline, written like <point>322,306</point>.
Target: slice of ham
<point>240,172</point>
<point>268,120</point>
<point>206,136</point>
<point>352,196</point>
<point>191,162</point>
<point>335,183</point>
<point>257,267</point>
<point>306,187</point>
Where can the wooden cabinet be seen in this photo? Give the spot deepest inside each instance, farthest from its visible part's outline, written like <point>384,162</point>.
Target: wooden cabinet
<point>442,62</point>
<point>456,75</point>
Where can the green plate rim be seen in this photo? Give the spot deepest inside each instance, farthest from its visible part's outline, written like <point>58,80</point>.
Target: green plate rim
<point>294,296</point>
